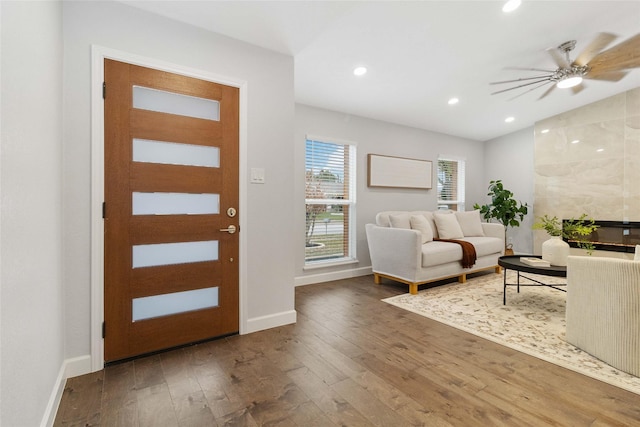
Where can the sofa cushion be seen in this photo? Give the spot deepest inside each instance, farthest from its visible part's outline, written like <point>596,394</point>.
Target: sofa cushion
<point>448,226</point>
<point>420,223</point>
<point>382,218</point>
<point>400,220</point>
<point>470,223</point>
<point>437,253</point>
<point>429,216</point>
<point>485,245</point>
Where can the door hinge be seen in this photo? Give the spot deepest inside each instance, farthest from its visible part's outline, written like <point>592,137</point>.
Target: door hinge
<point>104,90</point>
<point>104,210</point>
<point>104,329</point>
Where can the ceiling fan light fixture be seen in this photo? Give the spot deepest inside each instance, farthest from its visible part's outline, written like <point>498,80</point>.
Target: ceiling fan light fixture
<point>569,82</point>
<point>511,5</point>
<point>360,71</point>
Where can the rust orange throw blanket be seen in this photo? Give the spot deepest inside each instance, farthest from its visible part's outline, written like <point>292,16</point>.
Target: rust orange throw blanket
<point>468,252</point>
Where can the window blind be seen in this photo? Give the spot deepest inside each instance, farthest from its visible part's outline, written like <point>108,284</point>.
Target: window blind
<point>330,201</point>
<point>451,183</point>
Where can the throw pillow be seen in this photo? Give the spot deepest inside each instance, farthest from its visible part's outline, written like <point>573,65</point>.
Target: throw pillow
<point>420,223</point>
<point>448,227</point>
<point>399,221</point>
<point>432,223</point>
<point>637,256</point>
<point>470,223</point>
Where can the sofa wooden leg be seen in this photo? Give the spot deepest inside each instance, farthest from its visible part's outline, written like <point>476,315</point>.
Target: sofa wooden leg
<point>377,279</point>
<point>413,288</point>
<point>498,269</point>
<point>462,278</point>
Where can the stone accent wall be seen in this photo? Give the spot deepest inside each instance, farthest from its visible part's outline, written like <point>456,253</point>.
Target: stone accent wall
<point>600,174</point>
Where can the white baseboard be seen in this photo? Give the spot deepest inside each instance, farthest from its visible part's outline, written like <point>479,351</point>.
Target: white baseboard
<point>272,321</point>
<point>70,368</point>
<point>334,275</point>
<point>77,366</point>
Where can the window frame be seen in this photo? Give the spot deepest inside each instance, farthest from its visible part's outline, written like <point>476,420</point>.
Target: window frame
<point>460,178</point>
<point>349,241</point>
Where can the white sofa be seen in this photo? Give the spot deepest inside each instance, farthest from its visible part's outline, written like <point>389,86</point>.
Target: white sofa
<point>407,255</point>
<point>603,309</point>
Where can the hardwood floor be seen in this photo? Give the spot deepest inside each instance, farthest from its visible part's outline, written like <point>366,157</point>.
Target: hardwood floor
<point>350,360</point>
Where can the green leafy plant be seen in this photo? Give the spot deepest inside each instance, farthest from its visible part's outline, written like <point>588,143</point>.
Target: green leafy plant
<point>573,230</point>
<point>503,207</point>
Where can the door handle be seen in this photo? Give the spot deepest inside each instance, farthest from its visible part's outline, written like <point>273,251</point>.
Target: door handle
<point>231,229</point>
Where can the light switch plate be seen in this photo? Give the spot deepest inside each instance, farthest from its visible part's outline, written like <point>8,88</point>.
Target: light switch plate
<point>257,175</point>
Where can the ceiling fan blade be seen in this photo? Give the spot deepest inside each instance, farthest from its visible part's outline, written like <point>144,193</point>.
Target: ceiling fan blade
<point>559,57</point>
<point>529,90</point>
<point>520,80</point>
<point>547,92</point>
<point>519,86</point>
<point>609,76</point>
<point>622,56</point>
<point>601,41</point>
<point>530,69</point>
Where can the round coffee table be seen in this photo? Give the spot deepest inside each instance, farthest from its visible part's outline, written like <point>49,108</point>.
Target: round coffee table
<point>512,262</point>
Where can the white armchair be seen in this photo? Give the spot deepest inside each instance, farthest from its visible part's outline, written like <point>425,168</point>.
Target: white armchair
<point>603,310</point>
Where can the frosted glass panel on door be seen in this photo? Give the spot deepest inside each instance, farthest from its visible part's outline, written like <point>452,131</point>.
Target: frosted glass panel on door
<point>173,153</point>
<point>177,302</point>
<point>161,101</point>
<point>174,253</point>
<point>175,203</point>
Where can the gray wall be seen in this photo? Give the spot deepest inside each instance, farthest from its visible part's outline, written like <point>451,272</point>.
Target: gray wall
<point>31,302</point>
<point>510,159</point>
<point>270,113</point>
<point>376,137</point>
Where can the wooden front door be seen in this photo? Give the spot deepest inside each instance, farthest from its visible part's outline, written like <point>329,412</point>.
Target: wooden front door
<point>170,219</point>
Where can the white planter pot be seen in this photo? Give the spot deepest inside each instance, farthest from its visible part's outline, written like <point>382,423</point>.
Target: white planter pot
<point>556,251</point>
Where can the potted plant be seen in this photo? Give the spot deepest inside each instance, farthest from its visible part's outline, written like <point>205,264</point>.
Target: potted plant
<point>573,230</point>
<point>503,208</point>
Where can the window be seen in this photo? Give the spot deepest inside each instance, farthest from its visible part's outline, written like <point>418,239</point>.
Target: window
<point>330,201</point>
<point>450,183</point>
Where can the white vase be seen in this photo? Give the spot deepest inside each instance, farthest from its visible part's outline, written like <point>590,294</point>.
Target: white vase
<point>556,251</point>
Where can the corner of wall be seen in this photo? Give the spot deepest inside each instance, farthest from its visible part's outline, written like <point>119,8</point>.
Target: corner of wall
<point>69,368</point>
<point>271,321</point>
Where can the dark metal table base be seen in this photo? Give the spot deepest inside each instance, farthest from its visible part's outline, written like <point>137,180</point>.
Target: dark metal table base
<point>518,284</point>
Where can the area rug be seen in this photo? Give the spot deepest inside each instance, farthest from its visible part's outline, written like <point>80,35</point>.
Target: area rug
<point>532,321</point>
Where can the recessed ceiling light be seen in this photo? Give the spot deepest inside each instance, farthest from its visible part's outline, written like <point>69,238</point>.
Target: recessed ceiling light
<point>575,141</point>
<point>509,119</point>
<point>544,131</point>
<point>600,150</point>
<point>511,5</point>
<point>453,101</point>
<point>360,71</point>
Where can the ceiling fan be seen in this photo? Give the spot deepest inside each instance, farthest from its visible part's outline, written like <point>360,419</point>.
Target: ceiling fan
<point>592,63</point>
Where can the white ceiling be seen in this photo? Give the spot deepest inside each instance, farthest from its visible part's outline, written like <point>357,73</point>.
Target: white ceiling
<point>420,54</point>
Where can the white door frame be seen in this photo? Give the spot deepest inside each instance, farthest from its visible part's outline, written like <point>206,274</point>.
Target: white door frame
<point>98,55</point>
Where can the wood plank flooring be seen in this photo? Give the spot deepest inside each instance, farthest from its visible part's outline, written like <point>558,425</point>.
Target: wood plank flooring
<point>350,360</point>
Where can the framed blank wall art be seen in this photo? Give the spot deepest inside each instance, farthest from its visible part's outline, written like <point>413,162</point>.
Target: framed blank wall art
<point>389,171</point>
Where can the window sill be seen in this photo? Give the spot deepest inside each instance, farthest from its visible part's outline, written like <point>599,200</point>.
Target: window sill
<point>325,264</point>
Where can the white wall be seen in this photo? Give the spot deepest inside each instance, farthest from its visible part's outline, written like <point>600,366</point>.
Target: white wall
<point>510,158</point>
<point>30,210</point>
<point>270,107</point>
<point>376,137</point>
